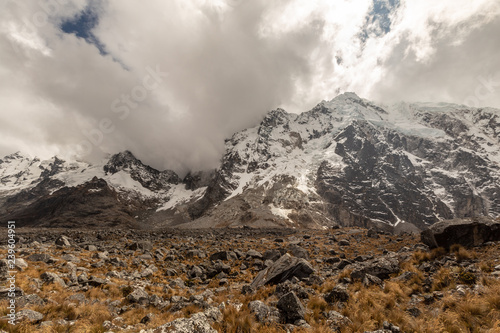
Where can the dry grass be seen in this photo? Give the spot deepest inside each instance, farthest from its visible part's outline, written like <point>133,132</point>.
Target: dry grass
<point>367,308</point>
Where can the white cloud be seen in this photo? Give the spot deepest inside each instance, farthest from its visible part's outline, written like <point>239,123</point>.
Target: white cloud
<point>228,62</point>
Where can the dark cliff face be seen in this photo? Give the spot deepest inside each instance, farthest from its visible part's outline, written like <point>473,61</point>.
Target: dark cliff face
<point>92,204</point>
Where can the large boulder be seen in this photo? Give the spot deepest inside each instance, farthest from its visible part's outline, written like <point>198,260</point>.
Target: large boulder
<point>29,315</point>
<point>199,322</point>
<point>291,308</point>
<point>63,241</point>
<point>282,270</point>
<point>265,314</point>
<point>50,277</point>
<point>381,267</point>
<point>466,232</point>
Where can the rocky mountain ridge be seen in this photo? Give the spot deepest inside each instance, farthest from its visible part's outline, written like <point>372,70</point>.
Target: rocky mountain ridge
<point>346,162</point>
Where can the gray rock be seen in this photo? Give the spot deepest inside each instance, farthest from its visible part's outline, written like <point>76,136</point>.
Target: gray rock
<point>138,296</point>
<point>264,314</point>
<point>336,321</point>
<point>467,232</point>
<point>253,254</point>
<point>43,257</point>
<point>142,245</point>
<point>198,323</point>
<point>337,294</point>
<point>147,318</point>
<point>223,255</point>
<point>4,269</point>
<point>370,280</point>
<point>298,252</point>
<point>291,308</point>
<point>344,242</point>
<point>32,299</point>
<point>21,264</point>
<point>70,258</point>
<point>196,271</point>
<point>381,267</point>
<point>406,276</point>
<point>63,241</point>
<point>271,255</point>
<point>29,315</point>
<point>283,269</point>
<point>97,282</point>
<point>50,277</point>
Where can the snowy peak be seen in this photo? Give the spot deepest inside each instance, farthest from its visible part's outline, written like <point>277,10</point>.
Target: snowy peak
<point>149,177</point>
<point>349,161</point>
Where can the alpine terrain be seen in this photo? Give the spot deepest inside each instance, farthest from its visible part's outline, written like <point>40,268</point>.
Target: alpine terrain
<point>346,162</point>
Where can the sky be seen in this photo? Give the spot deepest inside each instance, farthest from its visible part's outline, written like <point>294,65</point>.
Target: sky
<point>170,80</point>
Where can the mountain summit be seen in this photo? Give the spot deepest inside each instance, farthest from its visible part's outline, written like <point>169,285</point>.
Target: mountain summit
<point>346,162</point>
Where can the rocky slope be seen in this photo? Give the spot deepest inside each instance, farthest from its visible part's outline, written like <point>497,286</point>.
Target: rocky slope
<point>247,280</point>
<point>346,162</point>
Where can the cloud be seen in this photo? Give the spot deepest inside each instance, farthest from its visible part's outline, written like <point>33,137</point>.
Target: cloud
<point>223,65</point>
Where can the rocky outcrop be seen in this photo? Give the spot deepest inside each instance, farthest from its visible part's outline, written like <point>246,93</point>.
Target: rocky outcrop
<point>466,232</point>
<point>282,270</point>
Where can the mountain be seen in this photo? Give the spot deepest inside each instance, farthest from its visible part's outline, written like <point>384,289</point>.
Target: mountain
<point>346,162</point>
<point>121,191</point>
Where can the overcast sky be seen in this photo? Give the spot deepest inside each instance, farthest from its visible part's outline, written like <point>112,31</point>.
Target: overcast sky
<point>169,80</point>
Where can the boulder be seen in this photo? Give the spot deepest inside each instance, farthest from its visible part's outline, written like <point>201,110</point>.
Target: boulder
<point>43,257</point>
<point>63,241</point>
<point>142,245</point>
<point>32,299</point>
<point>139,296</point>
<point>49,277</point>
<point>223,255</point>
<point>21,264</point>
<point>466,232</point>
<point>273,255</point>
<point>291,308</point>
<point>265,314</point>
<point>29,315</point>
<point>336,321</point>
<point>381,267</point>
<point>4,269</point>
<point>283,269</point>
<point>199,322</point>
<point>337,294</point>
<point>298,252</point>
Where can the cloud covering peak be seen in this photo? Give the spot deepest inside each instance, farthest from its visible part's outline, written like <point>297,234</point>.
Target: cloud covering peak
<point>169,80</point>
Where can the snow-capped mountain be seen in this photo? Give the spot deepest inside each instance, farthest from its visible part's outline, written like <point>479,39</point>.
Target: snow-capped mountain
<point>351,162</point>
<point>29,187</point>
<point>347,161</point>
